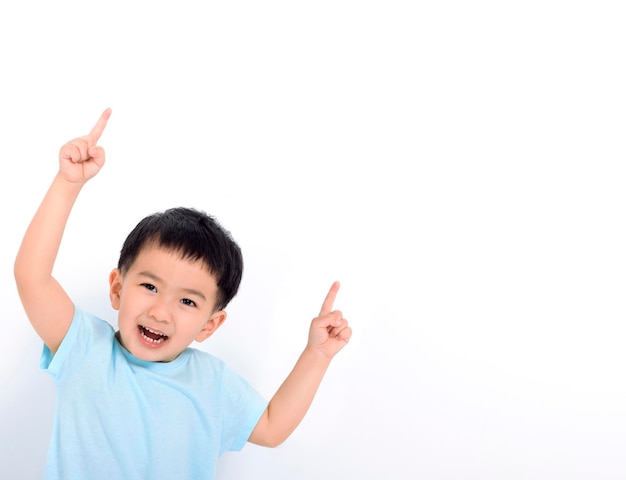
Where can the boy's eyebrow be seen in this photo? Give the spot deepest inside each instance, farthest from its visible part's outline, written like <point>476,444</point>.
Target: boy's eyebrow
<point>158,279</point>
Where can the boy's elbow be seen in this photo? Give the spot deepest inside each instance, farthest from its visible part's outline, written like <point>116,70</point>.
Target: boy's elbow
<point>23,274</point>
<point>276,441</point>
<point>22,280</point>
<point>270,443</point>
<point>18,274</point>
<point>267,437</point>
<point>271,430</point>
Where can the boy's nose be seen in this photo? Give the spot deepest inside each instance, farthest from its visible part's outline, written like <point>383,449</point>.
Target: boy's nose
<point>160,312</point>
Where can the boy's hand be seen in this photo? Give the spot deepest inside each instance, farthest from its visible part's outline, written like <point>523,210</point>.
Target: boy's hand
<point>81,159</point>
<point>329,332</point>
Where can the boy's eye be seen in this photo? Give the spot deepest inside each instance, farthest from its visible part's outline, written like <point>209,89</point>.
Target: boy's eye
<point>188,302</point>
<point>149,286</point>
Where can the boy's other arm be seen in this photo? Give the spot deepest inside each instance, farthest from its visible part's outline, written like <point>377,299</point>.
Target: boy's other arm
<point>328,334</point>
<point>48,307</point>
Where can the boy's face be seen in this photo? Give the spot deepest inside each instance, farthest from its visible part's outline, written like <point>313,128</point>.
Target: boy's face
<point>165,302</point>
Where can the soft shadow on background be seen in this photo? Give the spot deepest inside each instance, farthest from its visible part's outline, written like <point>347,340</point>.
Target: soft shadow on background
<point>458,166</point>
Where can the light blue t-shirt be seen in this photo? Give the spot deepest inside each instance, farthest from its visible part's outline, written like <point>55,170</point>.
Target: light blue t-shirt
<point>119,417</point>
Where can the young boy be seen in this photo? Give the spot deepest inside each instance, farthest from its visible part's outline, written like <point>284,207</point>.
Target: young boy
<point>140,403</point>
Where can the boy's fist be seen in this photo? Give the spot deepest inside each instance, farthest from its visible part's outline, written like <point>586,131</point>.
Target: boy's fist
<point>81,159</point>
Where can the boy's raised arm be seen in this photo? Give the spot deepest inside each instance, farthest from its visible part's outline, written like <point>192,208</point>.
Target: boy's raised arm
<point>48,307</point>
<point>328,334</point>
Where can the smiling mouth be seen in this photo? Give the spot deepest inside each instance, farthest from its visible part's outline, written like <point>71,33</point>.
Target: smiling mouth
<point>151,336</point>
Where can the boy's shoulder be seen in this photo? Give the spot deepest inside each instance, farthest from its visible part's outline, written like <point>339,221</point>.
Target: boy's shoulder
<point>206,367</point>
<point>92,321</point>
<point>196,357</point>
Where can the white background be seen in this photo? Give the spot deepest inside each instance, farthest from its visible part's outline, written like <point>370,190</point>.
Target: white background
<point>458,166</point>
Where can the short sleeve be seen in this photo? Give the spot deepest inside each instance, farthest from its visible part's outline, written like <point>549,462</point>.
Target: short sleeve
<point>85,330</point>
<point>243,407</point>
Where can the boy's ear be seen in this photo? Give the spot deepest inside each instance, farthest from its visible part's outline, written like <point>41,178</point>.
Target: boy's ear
<point>215,322</point>
<point>115,287</point>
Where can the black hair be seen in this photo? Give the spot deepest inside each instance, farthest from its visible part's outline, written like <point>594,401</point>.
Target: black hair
<point>196,236</point>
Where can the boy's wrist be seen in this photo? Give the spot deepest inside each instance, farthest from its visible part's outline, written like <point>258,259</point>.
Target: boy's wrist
<point>316,356</point>
<point>67,187</point>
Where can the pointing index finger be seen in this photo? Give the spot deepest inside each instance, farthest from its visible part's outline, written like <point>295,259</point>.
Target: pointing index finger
<point>329,301</point>
<point>97,130</point>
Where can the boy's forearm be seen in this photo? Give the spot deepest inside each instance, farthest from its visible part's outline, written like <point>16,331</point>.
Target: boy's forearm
<point>288,406</point>
<point>37,254</point>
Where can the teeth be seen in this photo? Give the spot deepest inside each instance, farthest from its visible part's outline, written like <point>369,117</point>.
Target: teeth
<point>154,331</point>
<point>152,340</point>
